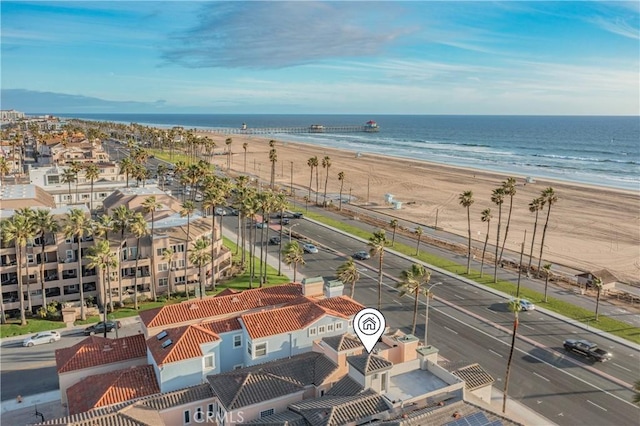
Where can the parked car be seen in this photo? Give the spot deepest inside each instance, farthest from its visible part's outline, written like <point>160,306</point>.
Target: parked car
<point>361,255</point>
<point>274,241</point>
<point>297,215</point>
<point>309,248</point>
<point>42,337</point>
<point>587,349</point>
<point>198,197</point>
<point>99,327</point>
<point>220,211</point>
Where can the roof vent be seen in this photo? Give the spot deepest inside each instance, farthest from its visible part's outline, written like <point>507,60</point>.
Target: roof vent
<point>166,343</point>
<point>235,300</point>
<point>162,335</point>
<point>106,348</point>
<point>193,306</point>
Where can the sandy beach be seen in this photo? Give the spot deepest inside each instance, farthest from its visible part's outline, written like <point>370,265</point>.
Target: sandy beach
<point>590,227</point>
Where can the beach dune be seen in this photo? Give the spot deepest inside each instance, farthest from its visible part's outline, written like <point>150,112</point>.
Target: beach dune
<point>590,228</point>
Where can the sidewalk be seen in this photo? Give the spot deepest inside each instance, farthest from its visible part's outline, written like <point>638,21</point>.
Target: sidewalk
<point>47,405</point>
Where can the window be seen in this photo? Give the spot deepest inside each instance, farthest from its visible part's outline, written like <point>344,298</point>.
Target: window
<point>178,248</point>
<point>321,329</point>
<point>159,251</point>
<point>187,417</point>
<point>163,282</point>
<point>69,241</point>
<point>266,413</point>
<point>249,348</point>
<point>329,328</point>
<point>179,280</point>
<point>237,341</point>
<point>313,331</point>
<point>210,410</point>
<point>54,179</point>
<point>338,326</point>
<point>199,416</point>
<point>261,349</point>
<point>163,267</point>
<point>177,264</point>
<point>208,362</point>
<point>69,254</point>
<point>29,258</point>
<point>237,366</point>
<point>102,194</point>
<point>350,323</point>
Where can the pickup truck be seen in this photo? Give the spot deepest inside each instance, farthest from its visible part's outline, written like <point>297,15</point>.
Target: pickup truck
<point>587,349</point>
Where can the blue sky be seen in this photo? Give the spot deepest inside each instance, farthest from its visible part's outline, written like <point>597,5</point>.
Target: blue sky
<point>357,57</point>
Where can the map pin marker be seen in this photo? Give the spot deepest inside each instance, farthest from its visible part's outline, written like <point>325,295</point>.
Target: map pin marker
<point>369,324</point>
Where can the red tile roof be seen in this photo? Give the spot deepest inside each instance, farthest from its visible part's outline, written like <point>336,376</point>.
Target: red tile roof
<point>226,292</point>
<point>186,341</point>
<point>95,350</point>
<point>194,310</point>
<point>343,304</point>
<point>112,388</point>
<point>222,326</point>
<point>286,319</point>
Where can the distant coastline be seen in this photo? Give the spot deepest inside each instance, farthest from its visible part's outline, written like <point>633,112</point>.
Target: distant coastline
<point>593,150</point>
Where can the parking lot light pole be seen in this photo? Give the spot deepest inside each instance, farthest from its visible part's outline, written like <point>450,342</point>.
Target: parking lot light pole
<point>426,315</point>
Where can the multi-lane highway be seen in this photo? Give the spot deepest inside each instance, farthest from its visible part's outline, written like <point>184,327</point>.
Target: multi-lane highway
<point>467,323</point>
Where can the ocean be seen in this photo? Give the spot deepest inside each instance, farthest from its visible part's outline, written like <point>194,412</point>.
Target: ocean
<point>597,150</point>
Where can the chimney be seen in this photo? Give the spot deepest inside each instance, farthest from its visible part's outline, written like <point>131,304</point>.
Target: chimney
<point>333,288</point>
<point>312,286</point>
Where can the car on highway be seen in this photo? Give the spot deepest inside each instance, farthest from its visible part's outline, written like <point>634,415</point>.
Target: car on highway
<point>99,327</point>
<point>297,215</point>
<point>220,211</point>
<point>41,338</point>
<point>309,248</point>
<point>587,349</point>
<point>198,197</point>
<point>361,255</point>
<point>284,221</point>
<point>525,305</point>
<point>274,241</point>
<point>261,225</point>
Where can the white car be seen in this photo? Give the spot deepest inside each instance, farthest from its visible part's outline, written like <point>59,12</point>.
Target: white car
<point>525,305</point>
<point>309,248</point>
<point>42,337</point>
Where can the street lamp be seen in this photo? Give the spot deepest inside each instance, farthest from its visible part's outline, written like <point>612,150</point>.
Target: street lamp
<point>295,224</point>
<point>426,315</point>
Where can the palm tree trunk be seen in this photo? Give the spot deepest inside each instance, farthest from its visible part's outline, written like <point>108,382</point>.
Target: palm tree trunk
<point>495,267</point>
<point>484,249</point>
<point>91,199</point>
<point>506,230</point>
<point>469,250</point>
<point>186,266</point>
<point>109,287</point>
<point>546,283</point>
<point>533,240</point>
<point>280,244</point>
<point>506,378</point>
<point>317,186</point>
<point>415,313</point>
<point>23,319</point>
<point>153,263</point>
<point>135,277</point>
<point>29,304</point>
<point>544,234</point>
<point>201,283</point>
<point>340,202</point>
<point>214,264</point>
<point>380,282</point>
<point>295,271</point>
<point>83,314</point>
<point>42,286</point>
<point>597,301</point>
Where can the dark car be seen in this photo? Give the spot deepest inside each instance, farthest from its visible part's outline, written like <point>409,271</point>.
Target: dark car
<point>361,255</point>
<point>274,241</point>
<point>284,221</point>
<point>98,328</point>
<point>297,215</point>
<point>587,349</point>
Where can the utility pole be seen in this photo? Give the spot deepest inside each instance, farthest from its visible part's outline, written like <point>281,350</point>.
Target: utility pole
<point>426,314</point>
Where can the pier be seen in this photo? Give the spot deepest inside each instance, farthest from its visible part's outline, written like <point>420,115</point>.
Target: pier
<point>370,127</point>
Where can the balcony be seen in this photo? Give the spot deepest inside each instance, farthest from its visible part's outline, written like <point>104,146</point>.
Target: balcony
<point>48,278</point>
<point>8,261</point>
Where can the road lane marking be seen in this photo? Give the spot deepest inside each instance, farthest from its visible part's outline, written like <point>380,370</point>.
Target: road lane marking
<point>453,331</point>
<point>459,297</point>
<point>594,404</point>
<point>542,377</point>
<point>495,353</point>
<point>624,368</point>
<point>527,326</point>
<point>398,302</point>
<point>372,289</point>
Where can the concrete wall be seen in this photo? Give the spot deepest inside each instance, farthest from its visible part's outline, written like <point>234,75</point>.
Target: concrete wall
<point>178,375</point>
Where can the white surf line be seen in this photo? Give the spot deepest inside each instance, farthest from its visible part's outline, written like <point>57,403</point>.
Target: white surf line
<point>495,353</point>
<point>542,377</point>
<point>594,404</point>
<point>451,330</point>
<point>624,368</point>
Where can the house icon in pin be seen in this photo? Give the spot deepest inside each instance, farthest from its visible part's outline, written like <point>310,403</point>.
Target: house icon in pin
<point>369,324</point>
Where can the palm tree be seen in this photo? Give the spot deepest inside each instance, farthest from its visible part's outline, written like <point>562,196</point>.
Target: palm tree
<point>101,257</point>
<point>101,228</point>
<point>497,197</point>
<point>466,199</point>
<point>151,205</point>
<point>534,207</point>
<point>44,224</point>
<point>550,198</point>
<point>341,179</point>
<point>77,226</point>
<point>547,274</point>
<point>597,283</point>
<point>326,163</point>
<point>419,233</point>
<point>127,166</point>
<point>121,218</point>
<point>138,227</point>
<point>91,172</point>
<point>161,170</point>
<point>273,158</point>
<point>293,255</point>
<point>18,230</point>
<point>245,145</point>
<point>4,169</point>
<point>312,162</point>
<point>188,207</point>
<point>228,142</point>
<point>394,225</point>
<point>69,177</point>
<point>486,217</point>
<point>514,306</point>
<point>76,167</point>
<point>377,243</point>
<point>509,188</point>
<point>349,274</point>
<point>200,257</point>
<point>214,196</point>
<point>414,282</point>
<point>167,256</point>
